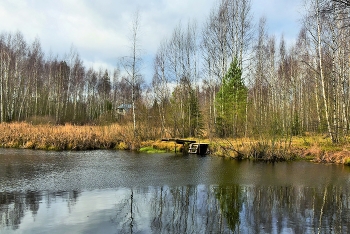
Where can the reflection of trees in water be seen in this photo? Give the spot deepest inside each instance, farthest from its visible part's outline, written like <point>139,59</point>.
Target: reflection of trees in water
<point>186,209</point>
<point>12,209</point>
<point>203,209</point>
<point>230,199</point>
<point>297,209</point>
<point>14,205</point>
<point>233,209</point>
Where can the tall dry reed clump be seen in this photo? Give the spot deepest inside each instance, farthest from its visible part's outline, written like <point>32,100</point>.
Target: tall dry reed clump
<point>264,150</point>
<point>270,151</point>
<point>323,154</point>
<point>64,137</point>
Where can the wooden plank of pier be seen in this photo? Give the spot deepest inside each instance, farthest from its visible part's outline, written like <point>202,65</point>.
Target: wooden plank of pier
<point>179,141</point>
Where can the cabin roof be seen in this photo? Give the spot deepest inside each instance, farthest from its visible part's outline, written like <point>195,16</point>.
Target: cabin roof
<point>125,106</point>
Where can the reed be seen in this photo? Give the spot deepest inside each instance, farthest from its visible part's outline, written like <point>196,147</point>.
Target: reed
<point>314,148</point>
<point>245,148</point>
<point>71,137</point>
<point>270,151</point>
<point>62,137</point>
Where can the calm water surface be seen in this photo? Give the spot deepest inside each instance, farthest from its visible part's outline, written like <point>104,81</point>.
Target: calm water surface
<point>121,192</point>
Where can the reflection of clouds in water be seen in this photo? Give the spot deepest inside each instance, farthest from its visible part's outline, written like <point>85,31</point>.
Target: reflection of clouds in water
<point>60,214</point>
<point>171,193</point>
<point>184,209</point>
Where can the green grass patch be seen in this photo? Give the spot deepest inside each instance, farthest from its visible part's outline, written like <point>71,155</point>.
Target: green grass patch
<point>329,147</point>
<point>151,150</point>
<point>347,161</point>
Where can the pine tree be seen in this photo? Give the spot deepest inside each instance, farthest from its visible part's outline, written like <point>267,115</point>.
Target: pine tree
<point>231,103</point>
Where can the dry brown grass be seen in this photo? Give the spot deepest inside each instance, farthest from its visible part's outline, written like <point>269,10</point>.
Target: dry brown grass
<point>318,148</point>
<point>315,148</point>
<point>245,148</point>
<point>67,137</point>
<point>73,137</point>
<point>70,137</point>
<point>317,154</point>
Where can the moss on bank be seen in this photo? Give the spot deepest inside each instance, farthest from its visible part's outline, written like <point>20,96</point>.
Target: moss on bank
<point>151,150</point>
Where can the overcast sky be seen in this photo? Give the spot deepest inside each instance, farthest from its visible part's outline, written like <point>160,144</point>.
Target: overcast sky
<point>100,29</point>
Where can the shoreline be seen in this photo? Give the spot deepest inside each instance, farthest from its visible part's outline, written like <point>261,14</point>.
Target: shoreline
<point>115,137</point>
<point>331,157</point>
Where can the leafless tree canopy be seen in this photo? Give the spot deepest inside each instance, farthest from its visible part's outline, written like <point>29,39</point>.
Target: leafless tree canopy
<point>291,89</point>
<point>343,2</point>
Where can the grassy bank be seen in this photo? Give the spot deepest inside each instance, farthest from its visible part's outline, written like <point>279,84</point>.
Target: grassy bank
<point>314,148</point>
<point>69,137</point>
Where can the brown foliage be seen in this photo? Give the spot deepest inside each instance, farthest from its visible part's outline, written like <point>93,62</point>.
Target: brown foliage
<point>61,137</point>
<point>71,137</point>
<point>339,157</point>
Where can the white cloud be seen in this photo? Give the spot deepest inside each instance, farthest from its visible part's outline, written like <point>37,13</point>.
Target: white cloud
<point>100,29</point>
<point>282,16</point>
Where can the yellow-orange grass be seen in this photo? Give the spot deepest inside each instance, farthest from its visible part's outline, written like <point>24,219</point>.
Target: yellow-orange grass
<point>67,137</point>
<point>231,147</point>
<point>160,145</point>
<point>70,137</point>
<point>312,147</point>
<point>319,148</point>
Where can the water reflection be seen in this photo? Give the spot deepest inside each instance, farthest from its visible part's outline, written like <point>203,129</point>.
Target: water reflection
<point>120,192</point>
<point>184,209</point>
<point>15,206</point>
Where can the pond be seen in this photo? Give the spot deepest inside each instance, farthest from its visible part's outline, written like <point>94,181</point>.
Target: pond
<point>123,192</point>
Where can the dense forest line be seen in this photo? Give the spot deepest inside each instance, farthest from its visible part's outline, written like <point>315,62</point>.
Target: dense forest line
<point>226,78</point>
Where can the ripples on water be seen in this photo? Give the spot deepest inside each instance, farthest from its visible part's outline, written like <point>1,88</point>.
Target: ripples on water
<point>120,192</point>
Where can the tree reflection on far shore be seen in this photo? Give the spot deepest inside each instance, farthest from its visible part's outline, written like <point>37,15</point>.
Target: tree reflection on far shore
<point>195,209</point>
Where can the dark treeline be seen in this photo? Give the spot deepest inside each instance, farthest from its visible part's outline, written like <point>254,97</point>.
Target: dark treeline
<point>226,78</point>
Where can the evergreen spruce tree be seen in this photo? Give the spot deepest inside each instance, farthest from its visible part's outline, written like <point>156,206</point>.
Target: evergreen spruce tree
<point>231,103</point>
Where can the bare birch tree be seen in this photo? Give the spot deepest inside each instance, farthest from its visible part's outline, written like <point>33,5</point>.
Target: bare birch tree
<point>132,66</point>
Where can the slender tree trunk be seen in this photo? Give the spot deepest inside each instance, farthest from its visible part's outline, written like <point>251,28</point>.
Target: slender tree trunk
<point>334,87</point>
<point>5,88</point>
<point>133,84</point>
<point>322,76</point>
<point>317,99</point>
<point>2,72</point>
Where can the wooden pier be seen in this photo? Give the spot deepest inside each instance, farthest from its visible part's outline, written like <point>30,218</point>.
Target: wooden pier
<point>191,147</point>
<point>198,148</point>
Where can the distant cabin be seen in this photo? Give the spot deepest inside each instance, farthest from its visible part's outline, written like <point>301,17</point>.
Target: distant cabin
<point>123,109</point>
